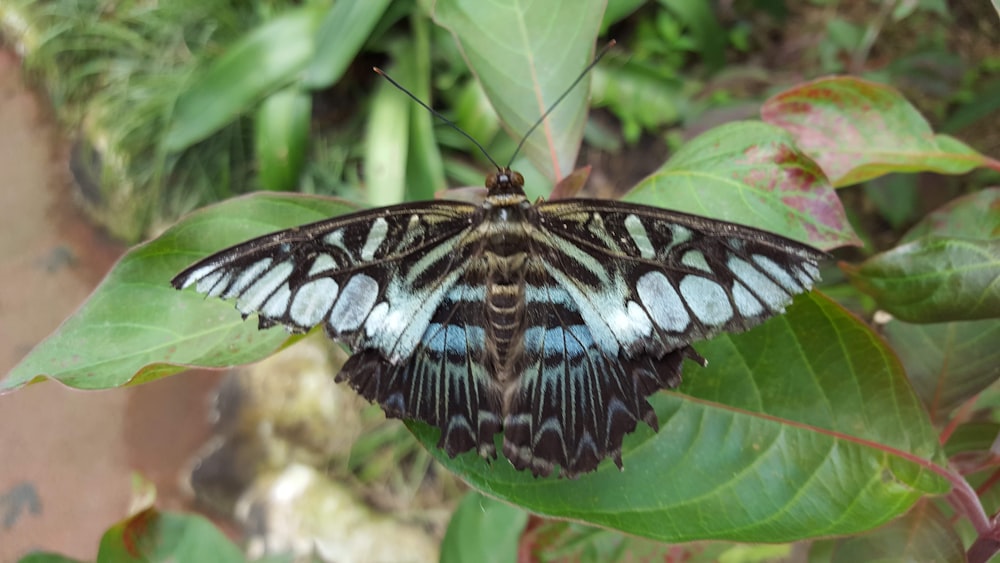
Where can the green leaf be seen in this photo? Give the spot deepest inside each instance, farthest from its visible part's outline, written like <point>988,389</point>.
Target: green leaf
<point>135,327</point>
<point>975,215</point>
<point>46,557</point>
<point>803,427</point>
<point>339,39</point>
<point>526,55</point>
<point>934,279</point>
<point>163,536</point>
<point>708,34</point>
<point>947,363</point>
<point>639,97</point>
<point>857,130</point>
<point>924,534</point>
<point>424,168</point>
<point>387,138</point>
<point>474,114</point>
<point>483,530</point>
<point>618,10</point>
<point>281,133</point>
<point>267,59</point>
<point>557,540</point>
<point>750,173</point>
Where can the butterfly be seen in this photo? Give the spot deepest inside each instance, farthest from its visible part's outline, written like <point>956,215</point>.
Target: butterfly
<point>549,322</point>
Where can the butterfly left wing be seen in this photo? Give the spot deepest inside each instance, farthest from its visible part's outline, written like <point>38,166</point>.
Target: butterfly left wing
<point>371,278</point>
<point>444,382</point>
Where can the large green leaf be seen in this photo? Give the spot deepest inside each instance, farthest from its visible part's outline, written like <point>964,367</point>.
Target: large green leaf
<point>948,363</point>
<point>387,135</point>
<point>267,59</point>
<point>750,173</point>
<point>934,279</point>
<point>281,138</point>
<point>948,268</point>
<point>135,327</point>
<point>163,536</point>
<point>344,30</point>
<point>800,428</point>
<point>976,215</point>
<point>526,54</point>
<point>483,530</point>
<point>922,535</point>
<point>858,130</point>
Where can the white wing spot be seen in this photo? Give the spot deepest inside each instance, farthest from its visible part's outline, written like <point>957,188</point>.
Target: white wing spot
<point>217,289</point>
<point>376,319</point>
<point>707,299</point>
<point>198,274</point>
<point>335,239</point>
<point>375,237</point>
<point>662,302</point>
<point>778,272</point>
<point>248,275</point>
<point>681,234</point>
<point>746,303</point>
<point>629,323</point>
<point>322,263</point>
<point>312,301</point>
<point>640,237</point>
<point>808,274</point>
<point>206,283</point>
<point>695,259</point>
<point>356,300</point>
<point>255,295</point>
<point>773,295</point>
<point>278,303</point>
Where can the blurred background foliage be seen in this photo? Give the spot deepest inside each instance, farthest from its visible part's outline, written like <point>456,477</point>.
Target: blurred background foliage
<point>178,104</point>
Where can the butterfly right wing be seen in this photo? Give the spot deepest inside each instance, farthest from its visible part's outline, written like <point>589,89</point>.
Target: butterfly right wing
<point>372,278</point>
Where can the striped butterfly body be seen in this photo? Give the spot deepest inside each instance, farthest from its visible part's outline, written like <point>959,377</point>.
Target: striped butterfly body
<point>550,323</point>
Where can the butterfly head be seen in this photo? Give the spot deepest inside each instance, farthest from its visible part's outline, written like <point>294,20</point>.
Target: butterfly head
<point>505,181</point>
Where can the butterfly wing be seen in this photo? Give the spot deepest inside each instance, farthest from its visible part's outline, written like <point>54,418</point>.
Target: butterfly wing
<point>651,280</point>
<point>370,278</point>
<point>622,291</point>
<point>445,382</point>
<point>574,403</point>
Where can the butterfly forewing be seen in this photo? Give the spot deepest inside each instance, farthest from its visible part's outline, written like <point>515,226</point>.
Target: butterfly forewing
<point>380,271</point>
<point>651,280</point>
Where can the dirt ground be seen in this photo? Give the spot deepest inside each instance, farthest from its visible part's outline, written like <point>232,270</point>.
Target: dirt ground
<point>66,456</point>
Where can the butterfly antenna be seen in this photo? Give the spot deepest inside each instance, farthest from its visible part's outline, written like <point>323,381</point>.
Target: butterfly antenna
<point>590,67</point>
<point>437,114</point>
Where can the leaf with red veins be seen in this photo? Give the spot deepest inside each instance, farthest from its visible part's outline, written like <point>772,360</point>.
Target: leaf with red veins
<point>857,130</point>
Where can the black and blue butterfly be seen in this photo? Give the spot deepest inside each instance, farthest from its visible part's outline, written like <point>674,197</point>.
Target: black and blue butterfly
<point>548,322</point>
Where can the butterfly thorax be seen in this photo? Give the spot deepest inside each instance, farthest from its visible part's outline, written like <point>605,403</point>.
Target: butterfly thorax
<point>507,218</point>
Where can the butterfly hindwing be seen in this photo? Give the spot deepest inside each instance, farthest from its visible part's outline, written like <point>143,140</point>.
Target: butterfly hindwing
<point>367,277</point>
<point>574,404</point>
<point>444,382</point>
